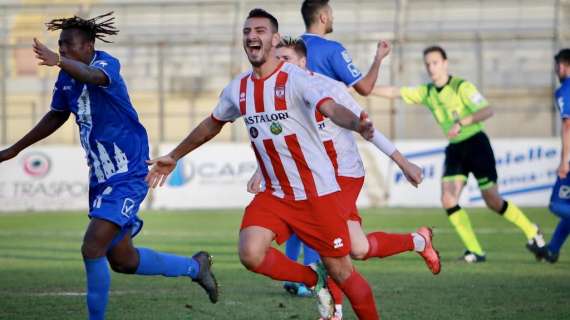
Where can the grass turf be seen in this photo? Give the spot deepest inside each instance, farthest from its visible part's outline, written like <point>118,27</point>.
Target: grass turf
<point>41,272</point>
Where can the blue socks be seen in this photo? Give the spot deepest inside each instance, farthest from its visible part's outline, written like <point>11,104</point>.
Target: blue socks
<point>98,283</point>
<point>157,263</point>
<point>560,235</point>
<point>310,255</point>
<point>293,247</point>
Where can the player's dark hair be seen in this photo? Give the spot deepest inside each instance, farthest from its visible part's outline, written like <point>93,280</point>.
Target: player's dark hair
<point>563,56</point>
<point>310,10</point>
<point>260,13</point>
<point>435,49</point>
<point>94,28</point>
<point>296,44</point>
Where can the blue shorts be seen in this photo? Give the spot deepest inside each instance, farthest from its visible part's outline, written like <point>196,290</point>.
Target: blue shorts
<point>119,202</point>
<point>560,198</point>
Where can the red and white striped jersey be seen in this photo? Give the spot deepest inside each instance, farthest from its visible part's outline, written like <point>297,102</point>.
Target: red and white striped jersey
<point>340,142</point>
<point>279,113</point>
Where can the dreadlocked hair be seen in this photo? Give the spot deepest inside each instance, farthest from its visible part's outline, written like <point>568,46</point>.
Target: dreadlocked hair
<point>98,27</point>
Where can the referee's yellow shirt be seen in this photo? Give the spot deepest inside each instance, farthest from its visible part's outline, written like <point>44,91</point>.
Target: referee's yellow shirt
<point>456,100</point>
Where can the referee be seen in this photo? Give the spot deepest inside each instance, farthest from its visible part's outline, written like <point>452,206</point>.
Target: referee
<point>460,111</point>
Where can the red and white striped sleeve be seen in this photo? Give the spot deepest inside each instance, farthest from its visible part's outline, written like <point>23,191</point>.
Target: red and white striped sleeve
<point>227,110</point>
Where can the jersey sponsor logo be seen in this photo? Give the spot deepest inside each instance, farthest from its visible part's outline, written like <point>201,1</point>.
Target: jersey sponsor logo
<point>337,243</point>
<point>253,132</point>
<point>128,206</point>
<point>561,104</point>
<point>276,128</point>
<point>269,117</point>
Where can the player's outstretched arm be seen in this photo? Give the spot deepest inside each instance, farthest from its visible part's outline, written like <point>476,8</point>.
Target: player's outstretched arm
<point>476,117</point>
<point>366,85</point>
<point>52,121</point>
<point>388,92</point>
<point>412,172</point>
<point>163,166</point>
<point>345,118</point>
<point>76,69</point>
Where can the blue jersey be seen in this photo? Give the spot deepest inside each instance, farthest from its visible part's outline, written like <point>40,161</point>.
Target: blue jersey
<point>114,140</point>
<point>331,59</point>
<point>562,98</point>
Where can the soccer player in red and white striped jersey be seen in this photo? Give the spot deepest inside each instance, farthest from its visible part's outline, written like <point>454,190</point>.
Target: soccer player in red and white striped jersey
<point>343,151</point>
<point>278,102</point>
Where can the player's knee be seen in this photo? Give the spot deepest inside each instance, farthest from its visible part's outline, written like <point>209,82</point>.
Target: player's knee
<point>359,251</point>
<point>123,266</point>
<point>338,268</point>
<point>448,200</point>
<point>250,256</point>
<point>92,251</point>
<point>560,209</point>
<point>339,274</point>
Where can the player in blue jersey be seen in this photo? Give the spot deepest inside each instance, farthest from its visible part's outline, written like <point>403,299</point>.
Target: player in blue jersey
<point>560,199</point>
<point>90,86</point>
<point>330,58</point>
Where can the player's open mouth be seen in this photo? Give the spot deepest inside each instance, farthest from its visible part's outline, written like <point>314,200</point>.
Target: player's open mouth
<point>254,47</point>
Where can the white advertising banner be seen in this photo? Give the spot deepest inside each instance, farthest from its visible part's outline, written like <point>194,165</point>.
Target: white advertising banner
<point>526,170</point>
<point>213,176</point>
<point>45,178</point>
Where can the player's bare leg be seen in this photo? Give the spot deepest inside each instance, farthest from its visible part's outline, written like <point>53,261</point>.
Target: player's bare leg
<point>450,192</point>
<point>513,214</point>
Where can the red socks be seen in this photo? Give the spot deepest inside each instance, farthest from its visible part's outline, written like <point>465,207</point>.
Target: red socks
<point>278,267</point>
<point>358,291</point>
<point>387,244</point>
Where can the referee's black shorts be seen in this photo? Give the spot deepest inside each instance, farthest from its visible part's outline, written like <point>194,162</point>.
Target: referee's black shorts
<point>474,155</point>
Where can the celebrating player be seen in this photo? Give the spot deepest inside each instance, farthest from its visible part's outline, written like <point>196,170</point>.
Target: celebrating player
<point>90,86</point>
<point>343,152</point>
<point>278,102</point>
<point>460,110</point>
<point>560,201</point>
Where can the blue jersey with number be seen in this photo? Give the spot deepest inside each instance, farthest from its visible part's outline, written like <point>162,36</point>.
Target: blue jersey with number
<point>331,59</point>
<point>114,140</point>
<point>562,97</point>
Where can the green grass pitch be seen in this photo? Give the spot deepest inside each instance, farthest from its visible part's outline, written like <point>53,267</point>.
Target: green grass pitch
<point>41,272</point>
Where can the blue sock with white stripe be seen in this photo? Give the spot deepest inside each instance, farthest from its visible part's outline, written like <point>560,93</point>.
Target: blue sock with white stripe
<point>98,284</point>
<point>169,265</point>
